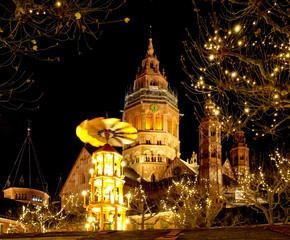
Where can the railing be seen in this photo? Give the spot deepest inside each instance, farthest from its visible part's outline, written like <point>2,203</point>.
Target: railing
<point>169,95</point>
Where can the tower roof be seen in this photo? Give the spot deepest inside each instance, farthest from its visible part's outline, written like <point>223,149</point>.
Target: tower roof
<point>26,171</point>
<point>150,76</point>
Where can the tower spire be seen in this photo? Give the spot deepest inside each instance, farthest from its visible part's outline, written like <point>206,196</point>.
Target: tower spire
<point>150,50</point>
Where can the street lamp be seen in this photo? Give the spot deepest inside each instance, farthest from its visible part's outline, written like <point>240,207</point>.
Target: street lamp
<point>84,193</point>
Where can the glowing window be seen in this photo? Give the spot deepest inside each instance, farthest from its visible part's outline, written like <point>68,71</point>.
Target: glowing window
<point>149,121</point>
<point>138,122</point>
<point>158,122</point>
<point>174,128</point>
<point>169,125</point>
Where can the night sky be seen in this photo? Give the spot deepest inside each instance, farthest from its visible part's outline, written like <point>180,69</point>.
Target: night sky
<point>86,83</point>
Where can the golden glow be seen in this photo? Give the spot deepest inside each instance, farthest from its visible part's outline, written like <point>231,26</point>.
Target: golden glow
<point>211,57</point>
<point>138,122</point>
<point>106,199</point>
<point>158,122</point>
<point>149,121</point>
<point>84,193</point>
<point>58,3</point>
<point>126,20</point>
<point>174,128</point>
<point>237,28</point>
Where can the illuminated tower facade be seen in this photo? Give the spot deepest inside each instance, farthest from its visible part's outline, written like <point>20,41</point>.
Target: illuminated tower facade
<point>151,107</point>
<point>210,168</point>
<point>240,155</point>
<point>106,205</point>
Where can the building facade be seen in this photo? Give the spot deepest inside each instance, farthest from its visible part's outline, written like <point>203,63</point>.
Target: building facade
<point>151,107</point>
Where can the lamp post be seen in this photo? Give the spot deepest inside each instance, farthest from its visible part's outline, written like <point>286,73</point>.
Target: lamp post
<point>123,165</point>
<point>84,193</point>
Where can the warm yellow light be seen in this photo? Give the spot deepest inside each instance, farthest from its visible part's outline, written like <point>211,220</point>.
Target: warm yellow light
<point>58,3</point>
<point>91,219</point>
<point>211,57</point>
<point>123,164</point>
<point>237,28</point>
<point>84,193</point>
<point>247,110</point>
<point>234,74</point>
<point>126,20</point>
<point>91,171</point>
<point>240,43</point>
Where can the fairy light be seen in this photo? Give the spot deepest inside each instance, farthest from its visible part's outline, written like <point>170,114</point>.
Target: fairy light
<point>237,28</point>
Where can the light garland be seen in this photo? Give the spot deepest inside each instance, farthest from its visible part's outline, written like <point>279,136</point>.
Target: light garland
<point>247,60</point>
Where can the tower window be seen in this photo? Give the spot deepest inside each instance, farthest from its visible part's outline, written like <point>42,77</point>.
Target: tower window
<point>138,121</point>
<point>159,158</point>
<point>158,122</point>
<point>174,128</point>
<point>159,142</point>
<point>149,121</point>
<point>169,125</point>
<point>148,141</point>
<point>151,65</point>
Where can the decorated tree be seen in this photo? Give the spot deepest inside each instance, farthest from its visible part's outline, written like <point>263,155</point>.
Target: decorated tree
<point>240,59</point>
<point>191,205</point>
<point>50,217</point>
<point>142,205</point>
<point>267,190</point>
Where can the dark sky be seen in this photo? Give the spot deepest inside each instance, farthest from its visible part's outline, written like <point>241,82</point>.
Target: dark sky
<point>85,86</point>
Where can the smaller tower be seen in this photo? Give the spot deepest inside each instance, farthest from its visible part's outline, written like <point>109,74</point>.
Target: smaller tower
<point>210,166</point>
<point>240,155</point>
<point>26,182</point>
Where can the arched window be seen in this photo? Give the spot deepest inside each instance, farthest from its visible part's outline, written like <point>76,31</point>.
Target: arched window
<point>174,128</point>
<point>82,178</point>
<point>169,125</point>
<point>138,122</point>
<point>149,121</point>
<point>159,158</point>
<point>153,178</point>
<point>130,121</point>
<point>158,122</point>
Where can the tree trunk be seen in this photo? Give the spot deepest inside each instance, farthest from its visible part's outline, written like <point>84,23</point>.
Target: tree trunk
<point>142,220</point>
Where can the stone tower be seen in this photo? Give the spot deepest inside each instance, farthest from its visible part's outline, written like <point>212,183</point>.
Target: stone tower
<point>240,155</point>
<point>151,107</point>
<point>210,166</point>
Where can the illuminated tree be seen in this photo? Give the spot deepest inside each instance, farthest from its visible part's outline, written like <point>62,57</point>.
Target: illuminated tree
<point>191,205</point>
<point>267,190</point>
<point>240,59</point>
<point>30,26</point>
<point>142,205</point>
<point>44,218</point>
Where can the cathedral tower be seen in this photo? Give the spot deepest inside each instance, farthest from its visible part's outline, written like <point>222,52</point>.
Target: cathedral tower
<point>210,166</point>
<point>240,155</point>
<point>151,107</point>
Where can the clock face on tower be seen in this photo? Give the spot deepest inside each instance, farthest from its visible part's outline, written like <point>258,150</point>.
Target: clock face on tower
<point>154,107</point>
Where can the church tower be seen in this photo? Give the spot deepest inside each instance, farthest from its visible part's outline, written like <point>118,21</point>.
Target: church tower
<point>210,166</point>
<point>240,155</point>
<point>151,107</point>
